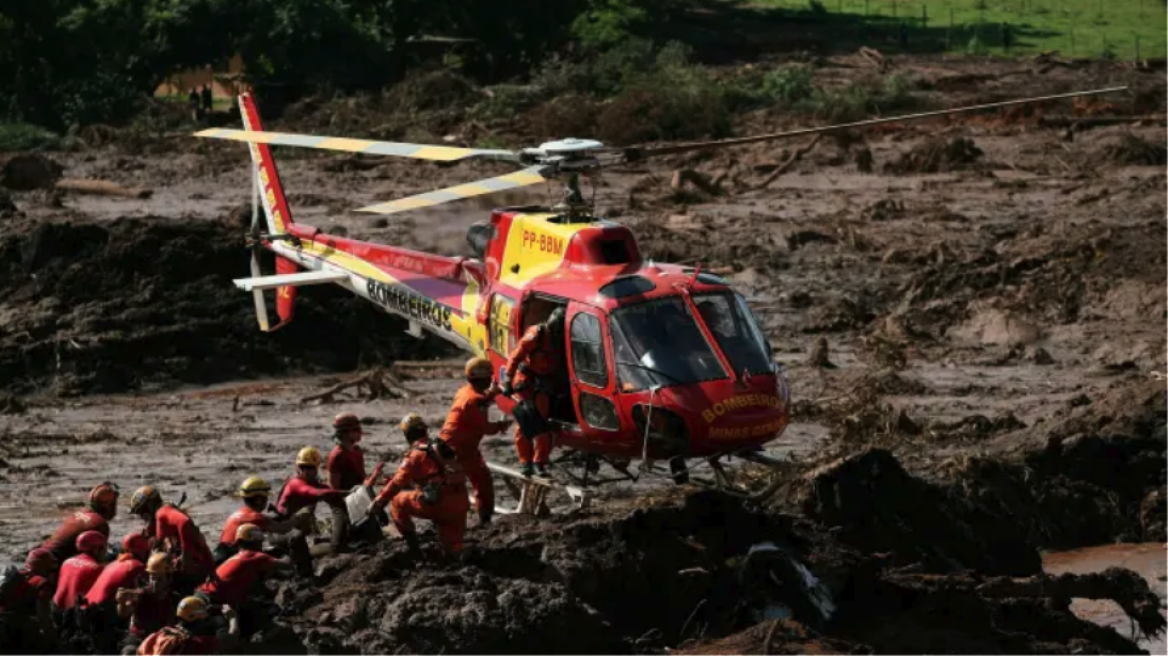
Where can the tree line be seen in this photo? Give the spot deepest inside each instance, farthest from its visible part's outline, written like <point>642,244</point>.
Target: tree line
<point>75,62</point>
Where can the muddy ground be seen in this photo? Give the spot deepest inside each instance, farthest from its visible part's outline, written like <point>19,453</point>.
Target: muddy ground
<point>984,299</point>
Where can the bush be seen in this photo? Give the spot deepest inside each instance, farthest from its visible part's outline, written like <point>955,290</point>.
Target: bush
<point>22,136</point>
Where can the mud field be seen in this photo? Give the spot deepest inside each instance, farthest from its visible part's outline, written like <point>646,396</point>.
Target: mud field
<point>971,314</point>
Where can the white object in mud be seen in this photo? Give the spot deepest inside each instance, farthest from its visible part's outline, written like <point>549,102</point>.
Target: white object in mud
<point>358,503</point>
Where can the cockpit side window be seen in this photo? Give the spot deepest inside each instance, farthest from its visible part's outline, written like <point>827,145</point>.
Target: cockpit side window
<point>588,351</point>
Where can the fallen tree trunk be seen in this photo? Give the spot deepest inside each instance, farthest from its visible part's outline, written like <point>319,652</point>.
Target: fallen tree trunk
<point>101,188</point>
<point>785,166</point>
<point>375,384</point>
<point>1123,586</point>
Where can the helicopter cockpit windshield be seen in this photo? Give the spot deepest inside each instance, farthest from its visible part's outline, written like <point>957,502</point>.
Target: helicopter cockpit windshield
<point>659,343</point>
<point>733,325</point>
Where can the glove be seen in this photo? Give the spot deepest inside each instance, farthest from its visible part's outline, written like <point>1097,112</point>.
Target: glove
<point>508,389</point>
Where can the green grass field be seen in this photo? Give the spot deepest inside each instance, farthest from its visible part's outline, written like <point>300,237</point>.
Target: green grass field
<point>1123,29</point>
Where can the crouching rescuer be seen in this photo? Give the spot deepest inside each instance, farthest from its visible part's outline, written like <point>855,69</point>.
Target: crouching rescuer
<point>283,534</point>
<point>238,580</point>
<point>429,484</point>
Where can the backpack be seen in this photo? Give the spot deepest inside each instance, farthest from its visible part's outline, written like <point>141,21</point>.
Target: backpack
<point>9,579</point>
<point>167,640</point>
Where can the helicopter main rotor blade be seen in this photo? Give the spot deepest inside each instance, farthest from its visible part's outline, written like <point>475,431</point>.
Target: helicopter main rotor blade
<point>365,146</point>
<point>635,154</point>
<point>528,176</point>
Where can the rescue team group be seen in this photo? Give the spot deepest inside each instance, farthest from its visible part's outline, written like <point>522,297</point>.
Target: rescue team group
<point>167,592</point>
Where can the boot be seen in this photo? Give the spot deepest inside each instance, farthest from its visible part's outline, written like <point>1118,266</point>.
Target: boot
<point>485,516</point>
<point>541,469</point>
<point>528,469</point>
<point>415,547</point>
<point>301,556</point>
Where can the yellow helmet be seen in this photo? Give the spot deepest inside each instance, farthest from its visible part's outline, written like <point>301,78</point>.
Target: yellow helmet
<point>158,563</point>
<point>413,426</point>
<point>254,486</point>
<point>191,609</point>
<point>308,456</point>
<point>249,533</point>
<point>479,368</point>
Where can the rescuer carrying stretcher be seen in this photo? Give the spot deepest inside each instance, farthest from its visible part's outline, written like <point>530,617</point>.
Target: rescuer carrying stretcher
<point>466,425</point>
<point>536,359</point>
<point>429,484</point>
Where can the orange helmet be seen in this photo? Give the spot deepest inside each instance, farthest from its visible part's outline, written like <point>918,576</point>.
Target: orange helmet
<point>145,497</point>
<point>346,421</point>
<point>249,533</point>
<point>413,426</point>
<point>479,368</point>
<point>40,561</point>
<point>104,497</point>
<point>136,544</point>
<point>90,542</point>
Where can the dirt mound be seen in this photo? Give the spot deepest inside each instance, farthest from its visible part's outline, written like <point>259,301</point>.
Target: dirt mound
<point>1131,150</point>
<point>937,156</point>
<point>27,171</point>
<point>1089,476</point>
<point>877,507</point>
<point>8,209</point>
<point>139,303</point>
<point>700,572</point>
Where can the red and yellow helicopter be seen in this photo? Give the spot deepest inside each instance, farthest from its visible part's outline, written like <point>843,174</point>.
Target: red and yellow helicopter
<point>662,362</point>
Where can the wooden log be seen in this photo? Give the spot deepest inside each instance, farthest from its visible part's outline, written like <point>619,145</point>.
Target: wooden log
<point>101,188</point>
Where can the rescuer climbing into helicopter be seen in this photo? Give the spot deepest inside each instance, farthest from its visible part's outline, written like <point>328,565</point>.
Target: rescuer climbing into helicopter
<point>536,358</point>
<point>430,484</point>
<point>466,425</point>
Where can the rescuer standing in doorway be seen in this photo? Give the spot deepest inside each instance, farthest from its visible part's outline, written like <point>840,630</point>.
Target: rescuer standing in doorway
<point>466,425</point>
<point>532,364</point>
<point>429,484</point>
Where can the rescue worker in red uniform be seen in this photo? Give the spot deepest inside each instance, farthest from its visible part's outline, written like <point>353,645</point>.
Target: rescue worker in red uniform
<point>178,534</point>
<point>148,607</point>
<point>194,633</point>
<point>304,489</point>
<point>127,571</point>
<point>429,484</point>
<point>26,619</point>
<point>530,370</point>
<point>100,509</point>
<point>77,576</point>
<point>238,577</point>
<point>346,470</point>
<point>284,534</point>
<point>466,425</point>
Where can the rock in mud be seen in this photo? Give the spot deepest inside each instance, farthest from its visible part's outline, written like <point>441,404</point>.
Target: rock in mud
<point>8,209</point>
<point>28,171</point>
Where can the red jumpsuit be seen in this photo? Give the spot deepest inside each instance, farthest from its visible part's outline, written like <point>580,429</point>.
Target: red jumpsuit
<point>63,542</point>
<point>299,493</point>
<point>152,612</point>
<point>465,426</point>
<point>21,599</point>
<point>535,357</point>
<point>422,465</point>
<point>126,572</point>
<point>176,527</point>
<point>237,576</point>
<point>78,574</point>
<point>240,517</point>
<point>350,463</point>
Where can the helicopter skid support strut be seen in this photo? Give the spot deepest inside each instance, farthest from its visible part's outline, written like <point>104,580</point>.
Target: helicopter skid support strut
<point>532,492</point>
<point>721,482</point>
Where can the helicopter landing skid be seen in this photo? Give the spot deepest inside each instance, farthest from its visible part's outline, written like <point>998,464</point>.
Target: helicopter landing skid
<point>532,492</point>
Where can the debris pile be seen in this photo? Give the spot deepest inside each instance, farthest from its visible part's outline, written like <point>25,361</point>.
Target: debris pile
<point>702,574</point>
<point>1131,150</point>
<point>937,156</point>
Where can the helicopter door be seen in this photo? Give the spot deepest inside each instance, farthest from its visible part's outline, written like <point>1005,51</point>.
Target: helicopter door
<point>591,378</point>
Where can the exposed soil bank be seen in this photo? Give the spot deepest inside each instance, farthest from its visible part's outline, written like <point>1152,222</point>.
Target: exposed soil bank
<point>143,302</point>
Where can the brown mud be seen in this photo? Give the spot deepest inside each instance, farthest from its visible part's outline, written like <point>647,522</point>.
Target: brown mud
<point>985,298</point>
